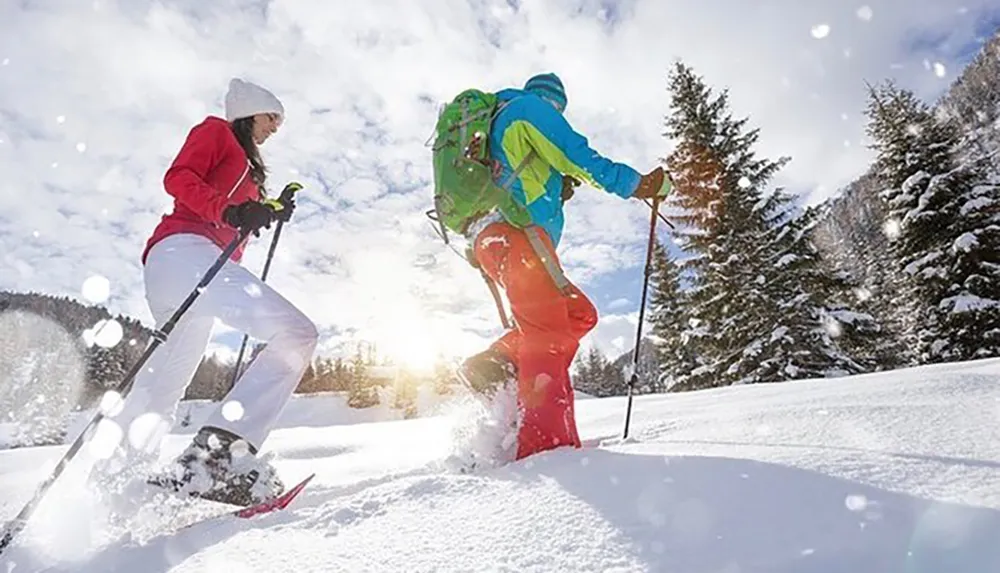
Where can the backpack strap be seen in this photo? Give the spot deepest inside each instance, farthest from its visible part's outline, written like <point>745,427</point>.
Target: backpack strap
<point>538,245</point>
<point>474,226</point>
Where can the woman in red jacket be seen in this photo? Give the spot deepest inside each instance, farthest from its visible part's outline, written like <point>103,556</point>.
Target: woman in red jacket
<point>217,182</point>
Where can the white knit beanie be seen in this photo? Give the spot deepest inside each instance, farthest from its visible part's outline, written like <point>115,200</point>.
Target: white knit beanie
<point>245,99</point>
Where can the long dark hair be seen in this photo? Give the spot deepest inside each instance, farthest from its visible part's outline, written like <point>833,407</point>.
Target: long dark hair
<point>243,129</point>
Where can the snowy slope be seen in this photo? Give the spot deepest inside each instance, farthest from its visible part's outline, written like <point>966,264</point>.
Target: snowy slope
<point>320,409</point>
<point>896,472</point>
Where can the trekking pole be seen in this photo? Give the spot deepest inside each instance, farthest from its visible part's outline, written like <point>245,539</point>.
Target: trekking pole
<point>658,214</point>
<point>158,337</point>
<point>496,298</point>
<point>642,311</point>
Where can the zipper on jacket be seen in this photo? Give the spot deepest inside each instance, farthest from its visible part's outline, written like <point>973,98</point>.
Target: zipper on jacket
<point>235,187</point>
<point>240,180</point>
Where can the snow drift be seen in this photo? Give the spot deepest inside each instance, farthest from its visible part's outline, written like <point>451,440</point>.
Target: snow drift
<point>873,473</point>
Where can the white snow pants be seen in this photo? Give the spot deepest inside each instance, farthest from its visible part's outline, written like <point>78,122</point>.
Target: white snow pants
<point>238,299</point>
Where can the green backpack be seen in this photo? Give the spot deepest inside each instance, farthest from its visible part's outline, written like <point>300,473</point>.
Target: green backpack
<point>464,188</point>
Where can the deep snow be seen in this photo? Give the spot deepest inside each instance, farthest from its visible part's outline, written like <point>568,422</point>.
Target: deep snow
<point>891,472</point>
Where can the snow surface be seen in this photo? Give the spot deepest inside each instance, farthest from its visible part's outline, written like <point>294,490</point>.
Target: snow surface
<point>882,472</point>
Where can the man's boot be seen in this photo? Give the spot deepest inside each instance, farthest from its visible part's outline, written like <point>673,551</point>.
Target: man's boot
<point>221,466</point>
<point>486,372</point>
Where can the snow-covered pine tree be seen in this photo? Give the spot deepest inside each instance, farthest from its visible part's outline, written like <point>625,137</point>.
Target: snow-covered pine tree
<point>718,180</point>
<point>761,312</point>
<point>945,223</point>
<point>592,374</point>
<point>849,237</point>
<point>811,312</point>
<point>668,320</point>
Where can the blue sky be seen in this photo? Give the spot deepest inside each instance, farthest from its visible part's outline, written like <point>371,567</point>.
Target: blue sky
<point>96,97</point>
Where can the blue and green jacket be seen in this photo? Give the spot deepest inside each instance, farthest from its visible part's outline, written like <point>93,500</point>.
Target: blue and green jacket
<point>528,122</point>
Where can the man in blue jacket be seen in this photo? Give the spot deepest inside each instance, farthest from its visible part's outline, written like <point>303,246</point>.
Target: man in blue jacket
<point>531,138</point>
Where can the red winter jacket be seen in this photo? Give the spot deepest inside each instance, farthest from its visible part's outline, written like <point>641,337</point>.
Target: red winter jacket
<point>210,172</point>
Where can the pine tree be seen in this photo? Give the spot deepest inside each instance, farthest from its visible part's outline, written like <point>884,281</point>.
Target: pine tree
<point>361,390</point>
<point>760,308</point>
<point>810,312</point>
<point>668,319</point>
<point>591,373</point>
<point>718,180</point>
<point>944,225</point>
<point>405,393</point>
<point>851,318</point>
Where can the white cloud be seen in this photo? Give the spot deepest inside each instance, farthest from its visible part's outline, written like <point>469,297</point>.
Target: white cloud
<point>107,91</point>
<point>614,335</point>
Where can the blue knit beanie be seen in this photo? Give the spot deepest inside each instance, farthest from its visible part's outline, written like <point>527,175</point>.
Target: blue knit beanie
<point>548,86</point>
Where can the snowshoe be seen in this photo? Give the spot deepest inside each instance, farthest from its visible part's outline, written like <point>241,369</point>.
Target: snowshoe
<point>221,466</point>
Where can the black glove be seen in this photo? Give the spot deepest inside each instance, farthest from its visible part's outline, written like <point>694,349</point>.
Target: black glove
<point>569,185</point>
<point>249,216</point>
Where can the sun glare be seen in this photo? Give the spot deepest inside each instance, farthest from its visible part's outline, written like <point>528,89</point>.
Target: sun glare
<point>417,345</point>
<point>398,323</point>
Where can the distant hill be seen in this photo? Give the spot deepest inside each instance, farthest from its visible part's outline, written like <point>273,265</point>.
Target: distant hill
<point>51,364</point>
<point>103,368</point>
<point>851,231</point>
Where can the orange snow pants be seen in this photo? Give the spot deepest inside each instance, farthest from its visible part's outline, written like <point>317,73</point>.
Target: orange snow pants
<point>552,315</point>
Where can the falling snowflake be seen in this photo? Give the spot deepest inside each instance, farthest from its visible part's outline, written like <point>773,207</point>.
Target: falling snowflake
<point>81,147</point>
<point>239,448</point>
<point>232,411</point>
<point>61,119</point>
<point>96,289</point>
<point>6,61</point>
<point>939,69</point>
<point>744,182</point>
<point>820,31</point>
<point>146,431</point>
<point>892,228</point>
<point>111,403</point>
<point>832,327</point>
<point>856,502</point>
<point>106,334</point>
<point>105,439</point>
<point>253,289</point>
<point>865,13</point>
